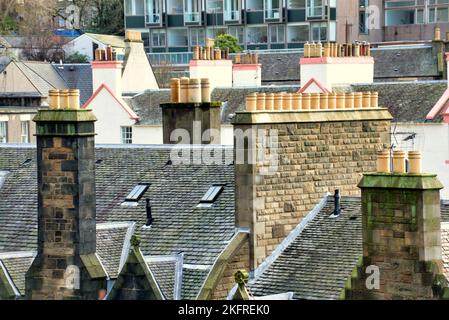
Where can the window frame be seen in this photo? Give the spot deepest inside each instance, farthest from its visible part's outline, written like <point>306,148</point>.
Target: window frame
<point>4,128</point>
<point>125,135</point>
<point>25,134</point>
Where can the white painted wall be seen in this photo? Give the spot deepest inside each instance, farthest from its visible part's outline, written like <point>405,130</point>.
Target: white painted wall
<point>219,72</point>
<point>432,139</point>
<point>153,134</point>
<point>85,45</point>
<point>332,74</point>
<point>243,77</point>
<point>137,75</point>
<point>111,117</point>
<point>110,76</point>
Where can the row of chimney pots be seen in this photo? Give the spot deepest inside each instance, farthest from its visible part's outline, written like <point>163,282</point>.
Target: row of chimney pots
<point>311,101</point>
<point>190,90</point>
<point>331,49</point>
<point>399,162</point>
<point>64,99</point>
<point>105,55</point>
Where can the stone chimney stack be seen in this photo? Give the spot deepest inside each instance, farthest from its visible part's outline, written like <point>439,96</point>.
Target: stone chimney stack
<point>401,233</point>
<point>191,117</point>
<point>66,266</point>
<point>108,71</point>
<point>288,157</point>
<point>138,75</point>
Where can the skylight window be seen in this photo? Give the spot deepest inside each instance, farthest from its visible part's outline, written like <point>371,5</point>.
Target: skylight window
<point>212,194</point>
<point>137,192</point>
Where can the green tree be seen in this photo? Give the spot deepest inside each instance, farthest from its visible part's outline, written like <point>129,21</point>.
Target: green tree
<point>109,17</point>
<point>77,58</point>
<point>224,41</point>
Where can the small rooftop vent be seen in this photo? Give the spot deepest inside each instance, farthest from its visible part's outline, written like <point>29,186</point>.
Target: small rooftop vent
<point>149,214</point>
<point>337,209</point>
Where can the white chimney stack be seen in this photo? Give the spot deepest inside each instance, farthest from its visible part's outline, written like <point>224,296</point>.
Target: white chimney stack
<point>108,71</point>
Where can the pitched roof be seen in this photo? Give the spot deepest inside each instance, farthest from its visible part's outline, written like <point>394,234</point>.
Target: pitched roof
<point>167,271</point>
<point>147,104</point>
<point>42,76</point>
<point>16,265</point>
<point>407,101</point>
<point>318,257</point>
<point>175,191</point>
<point>113,243</point>
<point>77,76</point>
<point>111,40</point>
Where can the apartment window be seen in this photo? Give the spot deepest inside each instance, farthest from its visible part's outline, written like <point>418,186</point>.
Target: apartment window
<point>214,32</point>
<point>192,11</point>
<point>153,14</point>
<point>197,37</point>
<point>175,7</point>
<point>25,131</point>
<point>158,37</point>
<point>3,131</point>
<point>134,7</point>
<point>238,32</point>
<point>272,9</point>
<point>319,31</point>
<point>231,10</point>
<point>298,33</point>
<point>254,5</point>
<point>127,135</point>
<point>296,4</point>
<point>214,6</point>
<point>438,15</point>
<point>363,16</point>
<point>314,8</point>
<point>177,37</point>
<point>277,33</point>
<point>256,35</point>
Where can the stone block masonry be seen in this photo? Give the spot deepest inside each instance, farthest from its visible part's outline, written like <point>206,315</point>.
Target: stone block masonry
<point>401,239</point>
<point>66,207</point>
<point>318,151</point>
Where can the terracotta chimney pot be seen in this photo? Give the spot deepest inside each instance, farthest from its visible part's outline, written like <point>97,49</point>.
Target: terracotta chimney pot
<point>324,101</point>
<point>261,101</point>
<point>251,102</point>
<point>341,100</point>
<point>398,161</point>
<point>414,162</point>
<point>175,90</point>
<point>205,90</point>
<point>53,99</point>
<point>306,101</point>
<point>349,101</point>
<point>278,101</point>
<point>332,103</point>
<point>194,90</point>
<point>383,161</point>
<point>374,99</point>
<point>296,101</point>
<point>184,90</point>
<point>74,99</point>
<point>64,99</point>
<point>269,102</point>
<point>358,103</point>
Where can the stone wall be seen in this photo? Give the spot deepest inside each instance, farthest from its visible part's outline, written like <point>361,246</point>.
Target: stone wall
<point>318,152</point>
<point>240,261</point>
<point>401,239</point>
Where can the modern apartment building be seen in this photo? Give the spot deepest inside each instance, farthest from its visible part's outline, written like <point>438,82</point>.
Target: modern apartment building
<point>178,25</point>
<point>391,20</point>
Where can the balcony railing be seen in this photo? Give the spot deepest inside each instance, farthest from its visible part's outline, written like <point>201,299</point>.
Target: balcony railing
<point>232,15</point>
<point>315,11</point>
<point>153,18</point>
<point>272,14</point>
<point>170,58</point>
<point>192,17</point>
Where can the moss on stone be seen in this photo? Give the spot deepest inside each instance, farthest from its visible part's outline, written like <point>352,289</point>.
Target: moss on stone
<point>400,181</point>
<point>64,115</point>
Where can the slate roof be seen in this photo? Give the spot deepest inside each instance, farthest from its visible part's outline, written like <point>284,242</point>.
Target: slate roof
<point>147,104</point>
<point>179,226</point>
<point>418,61</point>
<point>113,243</point>
<point>317,262</point>
<point>407,101</point>
<point>167,271</point>
<point>77,76</point>
<point>17,264</point>
<point>113,41</point>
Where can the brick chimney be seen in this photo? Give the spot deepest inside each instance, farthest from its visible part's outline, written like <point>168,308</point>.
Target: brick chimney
<point>66,266</point>
<point>401,234</point>
<point>107,70</point>
<point>287,161</point>
<point>138,75</point>
<point>191,117</point>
